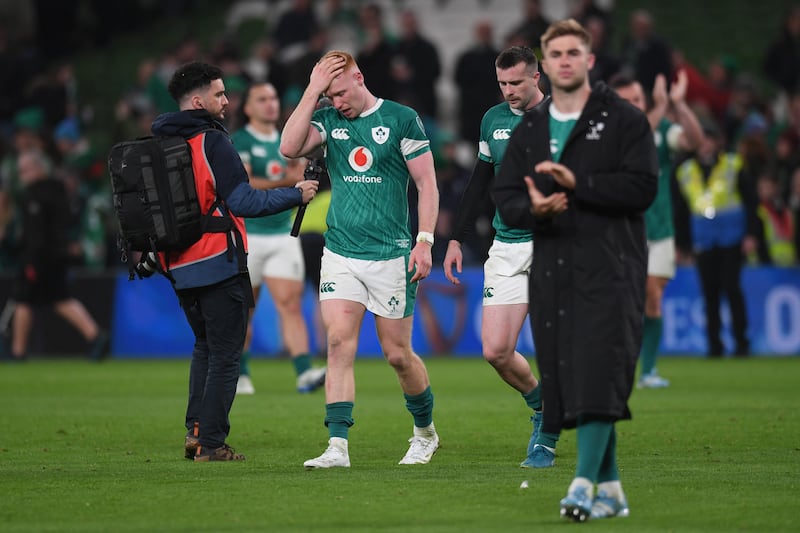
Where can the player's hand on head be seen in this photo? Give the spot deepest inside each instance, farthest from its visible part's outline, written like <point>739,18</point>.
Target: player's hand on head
<point>324,72</point>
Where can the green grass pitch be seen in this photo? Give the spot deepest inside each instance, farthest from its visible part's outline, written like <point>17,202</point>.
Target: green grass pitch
<point>98,447</point>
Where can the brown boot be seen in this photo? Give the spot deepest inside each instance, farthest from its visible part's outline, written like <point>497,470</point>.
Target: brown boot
<point>223,453</point>
<point>192,442</point>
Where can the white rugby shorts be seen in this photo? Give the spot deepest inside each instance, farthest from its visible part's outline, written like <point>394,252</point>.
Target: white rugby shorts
<point>274,256</point>
<point>381,286</point>
<point>506,272</point>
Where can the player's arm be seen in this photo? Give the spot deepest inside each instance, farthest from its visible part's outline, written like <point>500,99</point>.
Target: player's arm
<point>423,174</point>
<point>475,195</point>
<point>692,133</point>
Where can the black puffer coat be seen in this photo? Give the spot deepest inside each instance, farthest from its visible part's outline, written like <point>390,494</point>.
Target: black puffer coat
<point>590,262</point>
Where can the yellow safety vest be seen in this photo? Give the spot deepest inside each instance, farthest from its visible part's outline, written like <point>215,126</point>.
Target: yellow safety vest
<point>720,192</point>
<point>780,245</point>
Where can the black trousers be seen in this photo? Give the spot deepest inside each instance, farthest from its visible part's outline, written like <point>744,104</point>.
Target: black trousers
<point>720,270</point>
<point>217,315</point>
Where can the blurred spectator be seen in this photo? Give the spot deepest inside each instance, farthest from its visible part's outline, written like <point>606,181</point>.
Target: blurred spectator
<point>476,81</point>
<point>710,94</point>
<point>787,146</point>
<point>46,254</point>
<point>340,18</point>
<point>28,135</point>
<point>134,111</point>
<point>300,69</point>
<point>606,64</point>
<point>15,71</point>
<point>745,114</point>
<point>376,51</point>
<point>419,67</point>
<point>794,205</point>
<point>451,179</point>
<point>55,93</point>
<point>533,25</point>
<point>781,62</point>
<point>777,236</point>
<point>645,53</point>
<point>295,28</point>
<point>85,176</point>
<point>262,65</point>
<point>585,10</point>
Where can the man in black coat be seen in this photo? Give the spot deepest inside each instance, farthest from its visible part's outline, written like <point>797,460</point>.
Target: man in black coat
<point>580,173</point>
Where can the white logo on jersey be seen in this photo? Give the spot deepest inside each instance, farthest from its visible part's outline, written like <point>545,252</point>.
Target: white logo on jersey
<point>340,133</point>
<point>259,151</point>
<point>553,146</point>
<point>594,134</point>
<point>380,134</point>
<point>501,134</point>
<point>360,159</point>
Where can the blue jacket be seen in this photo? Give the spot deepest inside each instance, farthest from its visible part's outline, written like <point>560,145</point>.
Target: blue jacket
<point>232,186</point>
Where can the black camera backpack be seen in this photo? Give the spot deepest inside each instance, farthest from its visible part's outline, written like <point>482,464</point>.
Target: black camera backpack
<point>155,198</point>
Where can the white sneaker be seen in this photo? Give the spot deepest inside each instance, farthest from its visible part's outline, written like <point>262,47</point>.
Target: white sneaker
<point>245,385</point>
<point>424,444</point>
<point>335,456</point>
<point>652,381</point>
<point>311,379</point>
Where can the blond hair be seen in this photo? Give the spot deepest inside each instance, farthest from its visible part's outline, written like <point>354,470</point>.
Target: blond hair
<point>567,27</point>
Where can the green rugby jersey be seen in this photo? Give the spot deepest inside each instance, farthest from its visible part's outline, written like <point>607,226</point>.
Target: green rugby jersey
<point>658,217</point>
<point>366,158</point>
<point>263,155</point>
<point>496,127</point>
<point>561,125</point>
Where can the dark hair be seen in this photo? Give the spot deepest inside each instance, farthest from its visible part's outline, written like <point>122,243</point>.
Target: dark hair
<point>192,76</point>
<point>515,55</point>
<point>620,80</point>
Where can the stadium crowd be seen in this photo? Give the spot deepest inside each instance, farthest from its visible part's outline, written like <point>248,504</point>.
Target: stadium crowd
<point>756,114</point>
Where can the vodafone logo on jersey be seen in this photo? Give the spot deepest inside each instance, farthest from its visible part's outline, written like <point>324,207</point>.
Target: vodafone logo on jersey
<point>360,159</point>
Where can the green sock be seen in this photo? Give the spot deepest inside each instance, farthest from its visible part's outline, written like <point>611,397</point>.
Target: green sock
<point>653,329</point>
<point>421,407</point>
<point>547,439</point>
<point>244,364</point>
<point>301,363</point>
<point>339,418</point>
<point>534,398</point>
<point>608,468</point>
<point>593,439</point>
